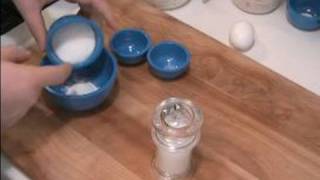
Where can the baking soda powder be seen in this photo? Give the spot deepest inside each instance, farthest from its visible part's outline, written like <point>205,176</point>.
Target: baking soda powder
<point>80,88</point>
<point>74,43</point>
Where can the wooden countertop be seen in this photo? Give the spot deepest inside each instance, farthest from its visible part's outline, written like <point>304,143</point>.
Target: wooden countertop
<point>257,124</point>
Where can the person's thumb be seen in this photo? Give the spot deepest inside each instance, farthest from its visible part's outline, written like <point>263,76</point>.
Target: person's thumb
<point>51,75</point>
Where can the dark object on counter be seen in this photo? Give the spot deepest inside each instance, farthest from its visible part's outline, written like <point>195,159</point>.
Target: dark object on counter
<point>10,16</point>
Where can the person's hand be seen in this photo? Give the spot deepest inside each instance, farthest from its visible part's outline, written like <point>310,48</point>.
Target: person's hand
<point>31,12</point>
<point>21,84</point>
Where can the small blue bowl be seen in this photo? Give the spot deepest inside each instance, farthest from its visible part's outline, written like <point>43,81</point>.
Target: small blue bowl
<point>104,79</point>
<point>168,59</point>
<point>66,21</point>
<point>304,14</point>
<point>130,45</point>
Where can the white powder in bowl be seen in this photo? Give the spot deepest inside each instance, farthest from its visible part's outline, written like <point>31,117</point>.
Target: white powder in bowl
<point>74,43</point>
<point>80,88</point>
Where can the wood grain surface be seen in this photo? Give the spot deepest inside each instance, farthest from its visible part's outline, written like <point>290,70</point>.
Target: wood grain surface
<point>257,124</point>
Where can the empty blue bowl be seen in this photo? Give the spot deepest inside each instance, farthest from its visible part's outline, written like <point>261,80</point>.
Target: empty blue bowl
<point>168,59</point>
<point>304,14</point>
<point>67,21</point>
<point>103,79</point>
<point>130,45</point>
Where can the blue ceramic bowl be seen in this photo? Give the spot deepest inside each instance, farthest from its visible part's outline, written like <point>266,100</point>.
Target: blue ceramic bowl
<point>66,21</point>
<point>104,79</point>
<point>168,59</point>
<point>130,45</point>
<point>304,14</point>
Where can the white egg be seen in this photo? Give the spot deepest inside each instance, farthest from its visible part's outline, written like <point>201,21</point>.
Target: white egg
<point>242,36</point>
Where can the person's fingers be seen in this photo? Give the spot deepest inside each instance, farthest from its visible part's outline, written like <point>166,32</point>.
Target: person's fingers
<point>51,75</point>
<point>31,13</point>
<point>14,54</point>
<point>36,24</point>
<point>103,8</point>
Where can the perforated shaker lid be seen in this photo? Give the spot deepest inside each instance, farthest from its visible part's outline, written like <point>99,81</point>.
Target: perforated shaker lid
<point>176,117</point>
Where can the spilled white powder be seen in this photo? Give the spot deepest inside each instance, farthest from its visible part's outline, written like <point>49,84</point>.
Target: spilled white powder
<point>74,43</point>
<point>80,88</point>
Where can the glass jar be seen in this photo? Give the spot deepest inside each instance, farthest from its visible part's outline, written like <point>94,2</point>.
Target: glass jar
<point>175,132</point>
<point>257,6</point>
<point>168,4</point>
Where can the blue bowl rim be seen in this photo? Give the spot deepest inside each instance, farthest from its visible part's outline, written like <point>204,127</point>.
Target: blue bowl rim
<point>299,21</point>
<point>141,31</point>
<point>290,5</point>
<point>71,19</point>
<point>99,90</point>
<point>168,42</point>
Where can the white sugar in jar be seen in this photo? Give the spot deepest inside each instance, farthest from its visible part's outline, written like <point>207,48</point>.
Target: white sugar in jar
<point>176,132</point>
<point>257,6</point>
